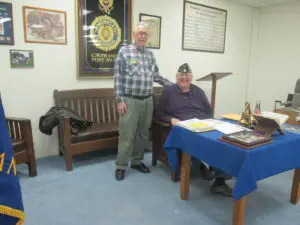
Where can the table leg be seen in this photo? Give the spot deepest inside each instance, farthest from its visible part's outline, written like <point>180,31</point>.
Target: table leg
<point>238,214</point>
<point>185,175</point>
<point>173,176</point>
<point>295,195</point>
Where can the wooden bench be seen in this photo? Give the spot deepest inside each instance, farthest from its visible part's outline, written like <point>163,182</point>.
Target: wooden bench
<point>21,136</point>
<point>96,105</point>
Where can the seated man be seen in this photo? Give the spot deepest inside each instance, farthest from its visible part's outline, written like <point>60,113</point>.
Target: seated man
<point>182,101</point>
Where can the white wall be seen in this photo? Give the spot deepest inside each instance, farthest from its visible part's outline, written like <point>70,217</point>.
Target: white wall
<point>29,92</point>
<point>231,91</point>
<point>275,63</point>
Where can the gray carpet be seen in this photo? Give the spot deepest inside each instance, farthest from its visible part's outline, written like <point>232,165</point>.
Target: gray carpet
<point>90,195</point>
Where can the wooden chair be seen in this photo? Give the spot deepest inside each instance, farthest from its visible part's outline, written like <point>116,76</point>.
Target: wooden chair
<point>160,131</point>
<point>21,136</point>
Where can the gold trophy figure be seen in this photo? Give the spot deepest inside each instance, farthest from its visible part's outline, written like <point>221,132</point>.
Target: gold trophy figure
<point>246,118</point>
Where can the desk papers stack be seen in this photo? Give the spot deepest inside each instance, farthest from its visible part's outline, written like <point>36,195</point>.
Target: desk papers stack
<point>280,119</point>
<point>232,116</point>
<point>197,125</point>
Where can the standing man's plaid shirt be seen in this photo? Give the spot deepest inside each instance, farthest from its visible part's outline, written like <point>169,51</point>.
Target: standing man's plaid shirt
<point>134,72</point>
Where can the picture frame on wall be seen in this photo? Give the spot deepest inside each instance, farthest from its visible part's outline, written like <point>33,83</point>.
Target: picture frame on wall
<point>44,26</point>
<point>21,58</point>
<point>6,24</point>
<point>154,24</point>
<point>204,28</point>
<point>103,28</point>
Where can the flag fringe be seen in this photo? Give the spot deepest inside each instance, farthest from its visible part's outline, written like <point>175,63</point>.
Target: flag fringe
<point>13,213</point>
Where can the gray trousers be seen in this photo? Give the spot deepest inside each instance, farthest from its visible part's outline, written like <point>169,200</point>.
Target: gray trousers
<point>134,131</point>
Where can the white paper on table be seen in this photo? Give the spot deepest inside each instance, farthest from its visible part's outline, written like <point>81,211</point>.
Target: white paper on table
<point>228,128</point>
<point>224,127</point>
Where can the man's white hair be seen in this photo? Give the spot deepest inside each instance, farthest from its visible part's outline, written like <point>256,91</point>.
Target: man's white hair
<point>143,24</point>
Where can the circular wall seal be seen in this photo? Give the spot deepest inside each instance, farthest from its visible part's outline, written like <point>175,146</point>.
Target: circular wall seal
<point>105,33</point>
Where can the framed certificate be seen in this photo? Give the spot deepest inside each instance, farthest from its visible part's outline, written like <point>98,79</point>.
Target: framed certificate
<point>6,24</point>
<point>103,27</point>
<point>154,23</point>
<point>204,28</point>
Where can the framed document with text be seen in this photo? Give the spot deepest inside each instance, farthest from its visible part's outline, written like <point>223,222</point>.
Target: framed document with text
<point>103,27</point>
<point>204,28</point>
<point>154,24</point>
<point>6,24</point>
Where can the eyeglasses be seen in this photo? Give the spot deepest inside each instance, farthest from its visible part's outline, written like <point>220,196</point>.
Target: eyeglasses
<point>142,33</point>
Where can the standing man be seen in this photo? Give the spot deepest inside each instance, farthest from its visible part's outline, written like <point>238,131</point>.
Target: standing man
<point>134,73</point>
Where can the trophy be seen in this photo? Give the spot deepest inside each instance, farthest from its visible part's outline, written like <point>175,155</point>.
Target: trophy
<point>246,118</point>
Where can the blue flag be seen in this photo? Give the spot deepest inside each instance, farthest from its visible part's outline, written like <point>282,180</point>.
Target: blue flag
<point>11,204</point>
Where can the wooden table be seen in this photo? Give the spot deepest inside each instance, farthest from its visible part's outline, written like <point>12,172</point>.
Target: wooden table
<point>239,206</point>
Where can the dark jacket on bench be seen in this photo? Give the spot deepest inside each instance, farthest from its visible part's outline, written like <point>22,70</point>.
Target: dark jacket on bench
<point>51,120</point>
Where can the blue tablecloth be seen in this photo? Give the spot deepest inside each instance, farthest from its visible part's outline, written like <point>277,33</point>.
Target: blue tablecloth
<point>248,166</point>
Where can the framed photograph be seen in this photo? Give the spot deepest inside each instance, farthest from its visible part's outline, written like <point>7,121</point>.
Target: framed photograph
<point>204,28</point>
<point>21,58</point>
<point>154,23</point>
<point>103,27</point>
<point>6,24</point>
<point>45,26</point>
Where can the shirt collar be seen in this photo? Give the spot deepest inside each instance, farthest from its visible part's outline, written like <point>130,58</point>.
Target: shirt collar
<point>181,92</point>
<point>140,49</point>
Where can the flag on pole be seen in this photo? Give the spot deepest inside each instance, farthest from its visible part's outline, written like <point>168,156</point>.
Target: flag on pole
<point>11,203</point>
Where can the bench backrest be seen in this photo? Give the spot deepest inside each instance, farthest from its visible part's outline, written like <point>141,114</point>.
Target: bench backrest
<point>97,105</point>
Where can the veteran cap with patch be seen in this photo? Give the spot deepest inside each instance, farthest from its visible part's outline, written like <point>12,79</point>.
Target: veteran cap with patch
<point>184,68</point>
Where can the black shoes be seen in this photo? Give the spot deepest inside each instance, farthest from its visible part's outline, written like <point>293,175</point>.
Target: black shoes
<point>141,167</point>
<point>120,174</point>
<point>222,189</point>
<point>206,173</point>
